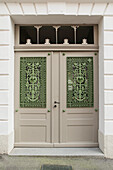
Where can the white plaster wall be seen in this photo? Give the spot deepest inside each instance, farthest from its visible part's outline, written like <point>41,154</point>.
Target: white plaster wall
<point>105,10</point>
<point>108,85</point>
<point>108,73</point>
<point>6,84</point>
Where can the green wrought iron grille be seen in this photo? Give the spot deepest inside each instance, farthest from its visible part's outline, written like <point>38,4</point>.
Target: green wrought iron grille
<point>80,82</point>
<point>33,82</point>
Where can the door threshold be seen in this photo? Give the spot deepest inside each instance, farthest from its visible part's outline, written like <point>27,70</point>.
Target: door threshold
<point>56,152</point>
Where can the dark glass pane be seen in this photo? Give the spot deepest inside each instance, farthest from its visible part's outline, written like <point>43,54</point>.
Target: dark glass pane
<point>86,32</point>
<point>47,32</point>
<point>28,32</point>
<point>66,32</point>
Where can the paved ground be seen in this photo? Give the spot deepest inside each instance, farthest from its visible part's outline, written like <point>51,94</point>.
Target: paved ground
<point>34,163</point>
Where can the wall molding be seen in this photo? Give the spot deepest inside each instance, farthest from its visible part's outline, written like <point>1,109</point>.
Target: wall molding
<point>48,8</point>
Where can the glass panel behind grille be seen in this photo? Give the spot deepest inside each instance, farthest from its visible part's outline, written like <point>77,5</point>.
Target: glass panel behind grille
<point>33,82</point>
<point>80,82</point>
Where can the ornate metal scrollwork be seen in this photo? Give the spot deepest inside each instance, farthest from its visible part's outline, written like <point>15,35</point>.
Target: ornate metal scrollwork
<point>33,82</point>
<point>79,82</point>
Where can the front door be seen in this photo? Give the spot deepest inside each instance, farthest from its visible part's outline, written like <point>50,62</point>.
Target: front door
<point>56,99</point>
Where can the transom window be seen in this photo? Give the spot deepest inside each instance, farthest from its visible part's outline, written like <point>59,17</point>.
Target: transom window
<point>57,35</point>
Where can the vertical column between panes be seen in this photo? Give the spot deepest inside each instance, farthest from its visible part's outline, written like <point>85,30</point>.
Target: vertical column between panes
<point>38,27</point>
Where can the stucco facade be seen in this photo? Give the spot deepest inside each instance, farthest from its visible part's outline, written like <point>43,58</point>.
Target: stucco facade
<point>49,12</point>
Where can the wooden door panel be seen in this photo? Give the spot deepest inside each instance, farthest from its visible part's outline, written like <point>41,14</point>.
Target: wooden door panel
<point>81,133</point>
<point>55,97</point>
<point>32,99</point>
<point>33,133</point>
<point>79,99</point>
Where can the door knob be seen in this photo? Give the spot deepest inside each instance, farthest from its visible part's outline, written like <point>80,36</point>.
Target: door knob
<point>56,102</point>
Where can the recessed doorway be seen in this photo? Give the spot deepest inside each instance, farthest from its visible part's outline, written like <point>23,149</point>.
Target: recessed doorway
<point>56,99</point>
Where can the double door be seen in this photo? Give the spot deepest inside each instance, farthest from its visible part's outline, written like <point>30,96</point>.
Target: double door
<point>56,99</point>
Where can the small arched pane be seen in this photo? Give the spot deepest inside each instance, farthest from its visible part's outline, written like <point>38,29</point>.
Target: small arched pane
<point>86,32</point>
<point>66,32</point>
<point>28,32</point>
<point>47,32</point>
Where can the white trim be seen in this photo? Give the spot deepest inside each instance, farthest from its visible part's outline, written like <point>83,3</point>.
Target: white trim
<point>81,1</point>
<point>51,7</point>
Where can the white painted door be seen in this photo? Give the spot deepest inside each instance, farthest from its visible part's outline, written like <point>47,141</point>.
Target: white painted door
<point>78,99</point>
<point>56,99</point>
<point>33,99</point>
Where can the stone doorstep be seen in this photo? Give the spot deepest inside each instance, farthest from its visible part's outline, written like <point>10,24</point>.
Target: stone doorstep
<point>96,152</point>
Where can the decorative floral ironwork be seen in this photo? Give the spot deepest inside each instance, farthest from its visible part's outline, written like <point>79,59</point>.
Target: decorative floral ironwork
<point>79,82</point>
<point>33,82</point>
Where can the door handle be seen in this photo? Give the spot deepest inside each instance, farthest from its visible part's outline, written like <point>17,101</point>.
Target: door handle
<point>56,102</point>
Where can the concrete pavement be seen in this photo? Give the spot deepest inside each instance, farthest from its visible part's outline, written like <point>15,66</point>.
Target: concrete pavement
<point>34,163</point>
